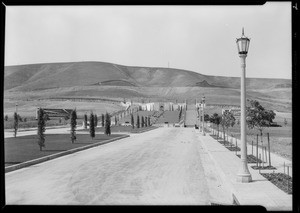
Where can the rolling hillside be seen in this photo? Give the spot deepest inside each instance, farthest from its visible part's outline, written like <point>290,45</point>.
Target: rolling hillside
<point>107,80</point>
<point>58,75</point>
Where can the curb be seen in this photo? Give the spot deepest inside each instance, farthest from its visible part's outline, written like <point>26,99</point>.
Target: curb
<point>60,154</point>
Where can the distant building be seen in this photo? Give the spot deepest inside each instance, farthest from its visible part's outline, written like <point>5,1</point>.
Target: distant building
<point>160,106</point>
<point>126,104</point>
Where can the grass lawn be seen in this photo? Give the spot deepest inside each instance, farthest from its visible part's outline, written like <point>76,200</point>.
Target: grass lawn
<point>25,148</point>
<point>116,129</point>
<point>278,145</point>
<point>280,138</point>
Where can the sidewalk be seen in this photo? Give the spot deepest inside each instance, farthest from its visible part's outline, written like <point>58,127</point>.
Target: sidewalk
<point>258,192</point>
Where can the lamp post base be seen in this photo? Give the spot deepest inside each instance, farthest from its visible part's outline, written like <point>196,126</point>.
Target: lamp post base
<point>244,178</point>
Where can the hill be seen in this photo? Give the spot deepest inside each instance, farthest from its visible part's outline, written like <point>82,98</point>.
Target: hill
<point>112,81</point>
<point>58,75</point>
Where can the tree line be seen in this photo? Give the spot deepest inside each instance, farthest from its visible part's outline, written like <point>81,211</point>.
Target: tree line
<point>257,117</point>
<point>93,123</point>
<point>140,123</point>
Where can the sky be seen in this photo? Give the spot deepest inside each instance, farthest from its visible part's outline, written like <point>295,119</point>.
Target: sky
<point>196,38</point>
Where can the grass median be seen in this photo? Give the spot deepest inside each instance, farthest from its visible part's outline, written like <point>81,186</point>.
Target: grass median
<point>24,148</point>
<point>126,129</point>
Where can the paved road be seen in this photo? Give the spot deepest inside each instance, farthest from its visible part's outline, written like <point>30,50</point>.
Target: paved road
<point>162,166</point>
<point>191,116</point>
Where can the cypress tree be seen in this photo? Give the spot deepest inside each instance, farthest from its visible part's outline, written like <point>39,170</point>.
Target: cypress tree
<point>132,121</point>
<point>102,120</point>
<point>16,123</point>
<point>146,121</point>
<point>96,120</point>
<point>142,121</point>
<point>138,121</point>
<point>92,125</point>
<point>107,124</point>
<point>149,121</point>
<point>180,113</point>
<point>116,122</point>
<point>85,121</point>
<point>41,128</point>
<point>73,124</point>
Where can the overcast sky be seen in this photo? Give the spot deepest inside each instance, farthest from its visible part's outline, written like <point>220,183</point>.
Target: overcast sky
<point>195,38</point>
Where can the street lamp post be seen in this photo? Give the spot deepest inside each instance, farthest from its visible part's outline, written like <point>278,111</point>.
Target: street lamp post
<point>17,115</point>
<point>202,104</point>
<point>199,114</point>
<point>244,175</point>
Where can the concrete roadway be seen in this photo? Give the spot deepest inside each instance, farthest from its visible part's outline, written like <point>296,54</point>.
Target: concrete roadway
<point>163,166</point>
<point>191,116</point>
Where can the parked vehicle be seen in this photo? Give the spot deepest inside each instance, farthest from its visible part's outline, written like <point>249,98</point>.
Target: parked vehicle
<point>127,123</point>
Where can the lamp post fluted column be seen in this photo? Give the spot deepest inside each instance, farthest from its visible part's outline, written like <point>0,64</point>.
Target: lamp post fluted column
<point>243,175</point>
